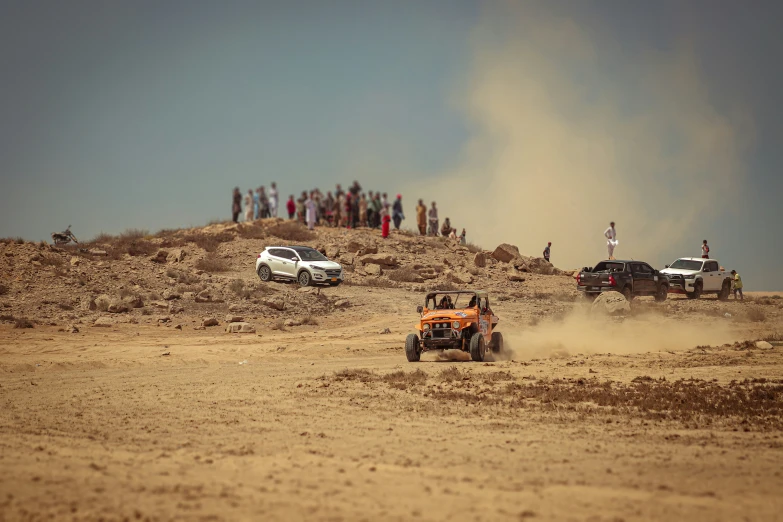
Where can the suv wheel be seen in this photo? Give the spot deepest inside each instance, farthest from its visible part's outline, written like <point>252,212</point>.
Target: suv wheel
<point>264,273</point>
<point>697,288</point>
<point>412,348</point>
<point>661,294</point>
<point>477,347</point>
<point>304,278</point>
<point>497,342</point>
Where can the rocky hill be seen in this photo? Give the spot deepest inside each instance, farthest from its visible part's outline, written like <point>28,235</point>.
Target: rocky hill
<point>186,277</point>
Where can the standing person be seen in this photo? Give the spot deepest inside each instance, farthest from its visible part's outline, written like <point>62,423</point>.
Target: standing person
<point>363,210</point>
<point>263,203</point>
<point>337,211</point>
<point>290,206</point>
<point>257,202</point>
<point>421,218</point>
<point>370,211</point>
<point>329,206</point>
<point>433,217</point>
<point>310,209</point>
<point>705,250</point>
<point>236,205</point>
<point>611,239</point>
<point>354,210</point>
<point>398,214</point>
<point>385,219</point>
<point>445,230</point>
<point>463,238</point>
<point>348,210</point>
<point>249,205</point>
<point>547,250</point>
<point>376,210</point>
<point>453,234</point>
<point>300,207</point>
<point>384,200</point>
<point>338,191</point>
<point>737,285</point>
<point>273,200</point>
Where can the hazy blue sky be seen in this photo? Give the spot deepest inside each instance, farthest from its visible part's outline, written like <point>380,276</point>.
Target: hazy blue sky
<point>146,114</point>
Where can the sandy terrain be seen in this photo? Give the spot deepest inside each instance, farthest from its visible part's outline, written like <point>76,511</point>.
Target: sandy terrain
<point>329,422</point>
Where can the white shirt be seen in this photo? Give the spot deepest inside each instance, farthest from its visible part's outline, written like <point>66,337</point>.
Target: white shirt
<point>704,249</point>
<point>610,234</point>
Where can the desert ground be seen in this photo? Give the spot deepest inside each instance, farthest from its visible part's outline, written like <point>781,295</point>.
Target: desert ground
<point>118,404</point>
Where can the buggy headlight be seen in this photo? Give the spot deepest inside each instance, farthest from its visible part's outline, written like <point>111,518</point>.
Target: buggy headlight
<point>426,327</point>
<point>455,325</point>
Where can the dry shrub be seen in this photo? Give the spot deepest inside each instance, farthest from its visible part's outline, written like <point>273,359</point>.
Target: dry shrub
<point>291,231</point>
<point>146,311</point>
<point>184,278</point>
<point>19,241</point>
<point>496,376</point>
<point>405,378</point>
<point>101,239</point>
<point>278,325</point>
<point>309,320</point>
<point>208,242</point>
<point>140,247</point>
<point>65,306</point>
<point>542,295</point>
<point>251,232</point>
<point>52,260</point>
<point>452,373</point>
<point>23,322</point>
<point>131,234</point>
<point>449,286</point>
<point>403,276</point>
<point>355,374</point>
<point>4,289</point>
<point>474,249</point>
<point>756,315</point>
<point>7,318</point>
<point>238,287</point>
<point>374,282</point>
<point>212,263</point>
<point>565,297</point>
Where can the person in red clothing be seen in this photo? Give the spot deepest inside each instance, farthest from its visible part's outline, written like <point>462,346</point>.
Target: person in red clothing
<point>385,219</point>
<point>290,206</point>
<point>348,209</point>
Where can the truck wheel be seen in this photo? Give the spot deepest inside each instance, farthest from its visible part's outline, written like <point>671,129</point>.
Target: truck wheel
<point>662,293</point>
<point>412,348</point>
<point>264,273</point>
<point>697,288</point>
<point>497,342</point>
<point>626,291</point>
<point>725,290</point>
<point>304,278</point>
<point>477,347</point>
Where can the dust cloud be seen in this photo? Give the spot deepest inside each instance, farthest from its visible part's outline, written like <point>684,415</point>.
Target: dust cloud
<point>570,130</point>
<point>582,333</point>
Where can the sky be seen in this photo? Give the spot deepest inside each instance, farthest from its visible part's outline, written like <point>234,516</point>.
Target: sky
<point>527,122</point>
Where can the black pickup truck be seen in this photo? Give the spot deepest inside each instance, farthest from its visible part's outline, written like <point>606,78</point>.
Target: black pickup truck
<point>630,278</point>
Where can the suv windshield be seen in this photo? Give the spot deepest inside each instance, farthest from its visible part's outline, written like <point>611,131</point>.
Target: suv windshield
<point>310,254</point>
<point>686,264</point>
<point>608,266</point>
<point>448,301</point>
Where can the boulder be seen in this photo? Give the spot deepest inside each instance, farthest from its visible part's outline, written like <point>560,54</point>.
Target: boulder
<point>428,273</point>
<point>175,308</point>
<point>209,321</point>
<point>240,327</point>
<point>342,303</point>
<point>367,250</point>
<point>175,256</point>
<point>373,270</point>
<point>103,322</point>
<point>480,259</point>
<point>515,275</point>
<point>385,260</point>
<point>234,318</point>
<point>506,253</point>
<point>205,296</point>
<point>169,294</point>
<point>134,301</point>
<point>611,303</point>
<point>160,257</point>
<point>87,303</point>
<point>118,307</point>
<point>73,329</point>
<point>98,252</point>
<point>160,304</point>
<point>461,278</point>
<point>275,304</point>
<point>332,251</point>
<point>235,308</point>
<point>102,302</point>
<point>764,345</point>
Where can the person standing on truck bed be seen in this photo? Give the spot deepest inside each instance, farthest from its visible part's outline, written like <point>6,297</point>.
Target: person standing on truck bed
<point>611,239</point>
<point>705,250</point>
<point>547,250</point>
<point>735,277</point>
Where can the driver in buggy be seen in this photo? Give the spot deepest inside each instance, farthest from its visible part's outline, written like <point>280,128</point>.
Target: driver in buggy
<point>445,303</point>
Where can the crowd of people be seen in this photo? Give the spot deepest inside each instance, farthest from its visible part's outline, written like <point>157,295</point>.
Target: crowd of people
<point>351,208</point>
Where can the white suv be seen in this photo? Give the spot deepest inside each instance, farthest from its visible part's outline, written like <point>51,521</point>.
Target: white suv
<point>303,264</point>
<point>695,276</point>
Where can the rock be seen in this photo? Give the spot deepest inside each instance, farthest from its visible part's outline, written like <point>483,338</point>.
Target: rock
<point>103,322</point>
<point>75,261</point>
<point>373,270</point>
<point>160,304</point>
<point>342,303</point>
<point>134,301</point>
<point>98,252</point>
<point>385,260</point>
<point>307,290</point>
<point>332,251</point>
<point>209,321</point>
<point>199,328</point>
<point>87,303</point>
<point>611,303</point>
<point>160,257</point>
<point>290,322</point>
<point>73,329</point>
<point>367,250</point>
<point>175,256</point>
<point>462,278</point>
<point>205,296</point>
<point>539,265</point>
<point>118,307</point>
<point>480,259</point>
<point>275,304</point>
<point>763,345</point>
<point>102,302</point>
<point>240,327</point>
<point>385,331</point>
<point>164,319</point>
<point>178,327</point>
<point>515,275</point>
<point>346,259</point>
<point>234,319</point>
<point>169,294</point>
<point>175,308</point>
<point>235,308</point>
<point>506,253</point>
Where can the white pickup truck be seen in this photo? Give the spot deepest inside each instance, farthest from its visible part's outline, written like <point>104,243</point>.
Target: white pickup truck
<point>694,276</point>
